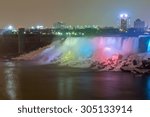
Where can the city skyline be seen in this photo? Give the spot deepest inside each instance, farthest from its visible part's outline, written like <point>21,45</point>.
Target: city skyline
<point>82,12</point>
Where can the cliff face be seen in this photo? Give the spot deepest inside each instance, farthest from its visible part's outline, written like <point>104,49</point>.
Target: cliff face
<point>9,44</point>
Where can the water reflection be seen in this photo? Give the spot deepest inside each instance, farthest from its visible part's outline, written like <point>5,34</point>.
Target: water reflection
<point>148,88</point>
<point>65,88</point>
<point>74,85</point>
<point>10,78</point>
<point>52,82</point>
<point>118,85</point>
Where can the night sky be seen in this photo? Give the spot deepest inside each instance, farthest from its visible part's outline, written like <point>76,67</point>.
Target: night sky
<point>24,13</point>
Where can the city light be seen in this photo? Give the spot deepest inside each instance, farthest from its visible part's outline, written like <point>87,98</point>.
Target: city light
<point>123,15</point>
<point>32,27</point>
<point>40,27</point>
<point>10,27</point>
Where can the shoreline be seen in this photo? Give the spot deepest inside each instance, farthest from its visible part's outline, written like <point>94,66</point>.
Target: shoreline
<point>93,67</point>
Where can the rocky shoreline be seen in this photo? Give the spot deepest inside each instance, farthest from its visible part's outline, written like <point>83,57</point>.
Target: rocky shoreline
<point>132,63</point>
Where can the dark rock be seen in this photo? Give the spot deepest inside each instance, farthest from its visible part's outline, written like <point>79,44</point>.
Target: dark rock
<point>134,62</point>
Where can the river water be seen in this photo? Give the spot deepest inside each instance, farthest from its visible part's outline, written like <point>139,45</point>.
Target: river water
<point>28,81</point>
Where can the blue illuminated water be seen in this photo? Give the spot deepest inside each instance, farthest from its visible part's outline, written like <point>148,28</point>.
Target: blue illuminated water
<point>148,48</point>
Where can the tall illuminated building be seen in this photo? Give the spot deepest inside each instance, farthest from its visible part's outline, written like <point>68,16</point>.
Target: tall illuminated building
<point>124,21</point>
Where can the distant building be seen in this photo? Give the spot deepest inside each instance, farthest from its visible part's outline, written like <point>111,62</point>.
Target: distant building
<point>124,22</point>
<point>59,25</point>
<point>139,25</point>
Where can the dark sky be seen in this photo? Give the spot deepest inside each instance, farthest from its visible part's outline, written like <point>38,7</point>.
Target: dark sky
<point>22,13</point>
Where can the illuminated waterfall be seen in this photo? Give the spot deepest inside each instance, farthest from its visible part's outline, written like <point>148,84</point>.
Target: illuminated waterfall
<point>93,48</point>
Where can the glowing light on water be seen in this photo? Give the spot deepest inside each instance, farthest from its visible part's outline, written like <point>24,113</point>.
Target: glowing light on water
<point>10,77</point>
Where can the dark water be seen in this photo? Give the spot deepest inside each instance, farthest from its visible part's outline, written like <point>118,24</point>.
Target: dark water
<point>27,81</point>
